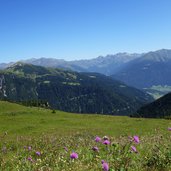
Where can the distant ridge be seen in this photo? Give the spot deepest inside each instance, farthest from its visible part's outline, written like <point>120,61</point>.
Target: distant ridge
<point>149,72</point>
<point>106,65</point>
<point>153,68</point>
<point>70,91</point>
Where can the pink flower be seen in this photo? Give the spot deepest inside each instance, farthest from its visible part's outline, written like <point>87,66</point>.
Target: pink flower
<point>105,166</point>
<point>169,129</point>
<point>97,139</point>
<point>29,148</point>
<point>74,155</point>
<point>102,161</point>
<point>38,153</point>
<point>136,139</point>
<point>30,159</point>
<point>95,149</point>
<point>106,142</point>
<point>133,148</point>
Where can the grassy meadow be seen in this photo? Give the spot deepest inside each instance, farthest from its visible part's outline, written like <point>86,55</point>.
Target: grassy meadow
<point>39,139</point>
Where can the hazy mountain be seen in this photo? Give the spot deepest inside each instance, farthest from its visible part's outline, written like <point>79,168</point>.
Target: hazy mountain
<point>106,65</point>
<point>148,71</point>
<point>160,108</point>
<point>153,68</point>
<point>5,65</point>
<point>70,91</point>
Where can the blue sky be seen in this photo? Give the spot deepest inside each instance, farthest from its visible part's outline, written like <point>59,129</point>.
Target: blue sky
<point>82,29</point>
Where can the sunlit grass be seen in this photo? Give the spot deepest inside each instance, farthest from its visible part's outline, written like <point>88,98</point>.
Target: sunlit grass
<point>50,132</point>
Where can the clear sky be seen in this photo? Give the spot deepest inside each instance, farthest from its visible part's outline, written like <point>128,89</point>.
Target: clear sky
<point>82,29</point>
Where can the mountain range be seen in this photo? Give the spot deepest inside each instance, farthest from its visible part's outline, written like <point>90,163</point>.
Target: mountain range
<point>106,65</point>
<point>138,70</point>
<point>70,91</point>
<point>150,69</point>
<point>75,87</point>
<point>147,71</point>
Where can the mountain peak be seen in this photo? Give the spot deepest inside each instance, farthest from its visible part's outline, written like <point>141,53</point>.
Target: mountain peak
<point>17,64</point>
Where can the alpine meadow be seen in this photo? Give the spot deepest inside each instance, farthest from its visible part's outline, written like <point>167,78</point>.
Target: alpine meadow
<point>85,85</point>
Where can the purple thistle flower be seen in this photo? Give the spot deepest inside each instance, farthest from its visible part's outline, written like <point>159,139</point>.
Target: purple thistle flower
<point>29,148</point>
<point>169,129</point>
<point>106,142</point>
<point>133,148</point>
<point>38,153</point>
<point>136,139</point>
<point>105,166</point>
<point>95,149</point>
<point>97,139</point>
<point>102,161</point>
<point>74,155</point>
<point>30,159</point>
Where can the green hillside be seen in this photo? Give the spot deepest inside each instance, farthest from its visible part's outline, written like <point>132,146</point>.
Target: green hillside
<point>70,91</point>
<point>160,108</point>
<point>19,120</point>
<point>39,139</point>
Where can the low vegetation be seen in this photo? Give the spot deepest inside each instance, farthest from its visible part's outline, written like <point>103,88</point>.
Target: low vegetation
<point>40,139</point>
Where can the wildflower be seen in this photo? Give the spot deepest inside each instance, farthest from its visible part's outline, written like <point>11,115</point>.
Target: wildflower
<point>38,153</point>
<point>106,142</point>
<point>102,161</point>
<point>105,166</point>
<point>136,139</point>
<point>97,139</point>
<point>30,159</point>
<point>169,129</point>
<point>95,149</point>
<point>29,148</point>
<point>133,148</point>
<point>74,155</point>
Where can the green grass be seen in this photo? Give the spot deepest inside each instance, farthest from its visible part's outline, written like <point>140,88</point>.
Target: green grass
<point>49,132</point>
<point>20,120</point>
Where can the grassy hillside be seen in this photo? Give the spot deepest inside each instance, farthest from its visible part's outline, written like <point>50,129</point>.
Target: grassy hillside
<point>36,139</point>
<point>20,120</point>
